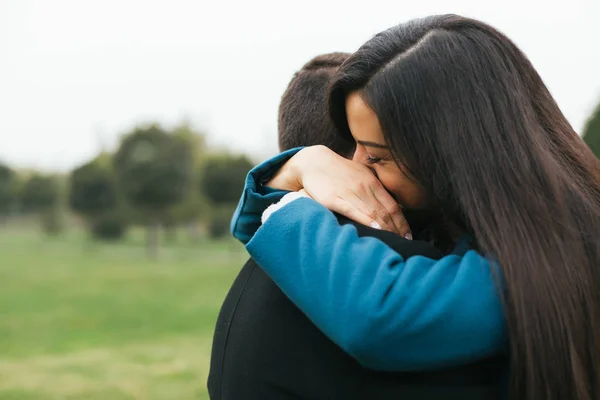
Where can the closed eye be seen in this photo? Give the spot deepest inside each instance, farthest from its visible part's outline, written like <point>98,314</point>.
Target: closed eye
<point>373,160</point>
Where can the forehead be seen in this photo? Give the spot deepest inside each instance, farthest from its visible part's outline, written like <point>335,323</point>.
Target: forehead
<point>362,120</point>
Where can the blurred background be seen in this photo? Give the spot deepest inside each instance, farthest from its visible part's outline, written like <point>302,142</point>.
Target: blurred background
<point>126,131</point>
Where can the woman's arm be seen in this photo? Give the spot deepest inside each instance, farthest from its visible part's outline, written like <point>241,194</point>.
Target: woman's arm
<point>256,197</point>
<point>343,186</point>
<point>387,312</point>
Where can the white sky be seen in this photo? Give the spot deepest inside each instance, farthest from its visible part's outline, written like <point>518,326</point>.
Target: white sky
<point>75,74</point>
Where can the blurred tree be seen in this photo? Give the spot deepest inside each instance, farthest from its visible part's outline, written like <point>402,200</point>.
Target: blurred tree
<point>154,170</point>
<point>220,220</point>
<point>39,193</point>
<point>93,194</point>
<point>221,182</point>
<point>93,189</point>
<point>7,189</point>
<point>223,177</point>
<point>591,131</point>
<point>110,224</point>
<point>193,209</point>
<point>194,206</point>
<point>52,220</point>
<point>194,138</point>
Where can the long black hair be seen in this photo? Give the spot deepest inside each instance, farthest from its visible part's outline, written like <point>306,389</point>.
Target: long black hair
<point>465,112</point>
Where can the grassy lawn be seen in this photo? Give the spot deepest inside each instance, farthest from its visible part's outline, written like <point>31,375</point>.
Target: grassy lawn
<point>80,320</point>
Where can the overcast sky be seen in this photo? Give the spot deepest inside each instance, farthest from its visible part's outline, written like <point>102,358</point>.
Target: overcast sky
<point>75,74</point>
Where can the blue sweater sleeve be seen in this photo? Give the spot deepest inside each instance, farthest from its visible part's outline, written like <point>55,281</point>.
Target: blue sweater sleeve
<point>387,312</point>
<point>256,197</point>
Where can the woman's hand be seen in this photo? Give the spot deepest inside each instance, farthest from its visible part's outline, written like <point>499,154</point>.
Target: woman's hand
<point>343,186</point>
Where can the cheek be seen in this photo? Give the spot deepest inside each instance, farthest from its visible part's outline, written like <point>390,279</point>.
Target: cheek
<point>404,190</point>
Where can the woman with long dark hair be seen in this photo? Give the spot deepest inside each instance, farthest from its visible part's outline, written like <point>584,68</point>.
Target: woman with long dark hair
<point>450,116</point>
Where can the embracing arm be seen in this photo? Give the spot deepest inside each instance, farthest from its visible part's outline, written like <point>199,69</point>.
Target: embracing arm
<point>389,312</point>
<point>256,197</point>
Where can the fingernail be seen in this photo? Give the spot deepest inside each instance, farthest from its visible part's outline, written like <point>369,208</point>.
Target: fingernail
<point>408,236</point>
<point>374,225</point>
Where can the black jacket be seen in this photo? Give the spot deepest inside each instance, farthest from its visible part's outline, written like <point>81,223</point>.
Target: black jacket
<point>266,348</point>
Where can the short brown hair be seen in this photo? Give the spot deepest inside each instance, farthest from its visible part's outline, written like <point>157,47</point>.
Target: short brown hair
<point>303,113</point>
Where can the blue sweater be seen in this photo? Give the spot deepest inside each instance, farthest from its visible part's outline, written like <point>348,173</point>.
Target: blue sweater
<point>387,312</point>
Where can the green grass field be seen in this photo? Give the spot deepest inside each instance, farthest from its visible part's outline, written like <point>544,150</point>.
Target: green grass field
<point>80,320</point>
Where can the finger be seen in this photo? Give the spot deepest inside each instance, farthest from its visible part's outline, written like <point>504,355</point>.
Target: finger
<point>394,210</point>
<point>348,210</point>
<point>368,202</point>
<point>304,193</point>
<point>371,215</point>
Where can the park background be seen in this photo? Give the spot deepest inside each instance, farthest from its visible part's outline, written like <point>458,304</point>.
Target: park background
<point>126,131</point>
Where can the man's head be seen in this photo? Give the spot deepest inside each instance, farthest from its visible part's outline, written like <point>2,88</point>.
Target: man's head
<point>303,113</point>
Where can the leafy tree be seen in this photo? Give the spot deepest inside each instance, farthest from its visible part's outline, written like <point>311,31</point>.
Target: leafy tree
<point>222,180</point>
<point>93,189</point>
<point>109,225</point>
<point>220,219</point>
<point>40,193</point>
<point>194,138</point>
<point>93,194</point>
<point>194,206</point>
<point>591,132</point>
<point>154,171</point>
<point>7,189</point>
<point>52,220</point>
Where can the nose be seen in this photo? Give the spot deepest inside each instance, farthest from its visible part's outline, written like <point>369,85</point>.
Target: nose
<point>357,156</point>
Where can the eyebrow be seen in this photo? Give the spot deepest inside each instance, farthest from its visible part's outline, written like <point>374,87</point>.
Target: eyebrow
<point>372,144</point>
